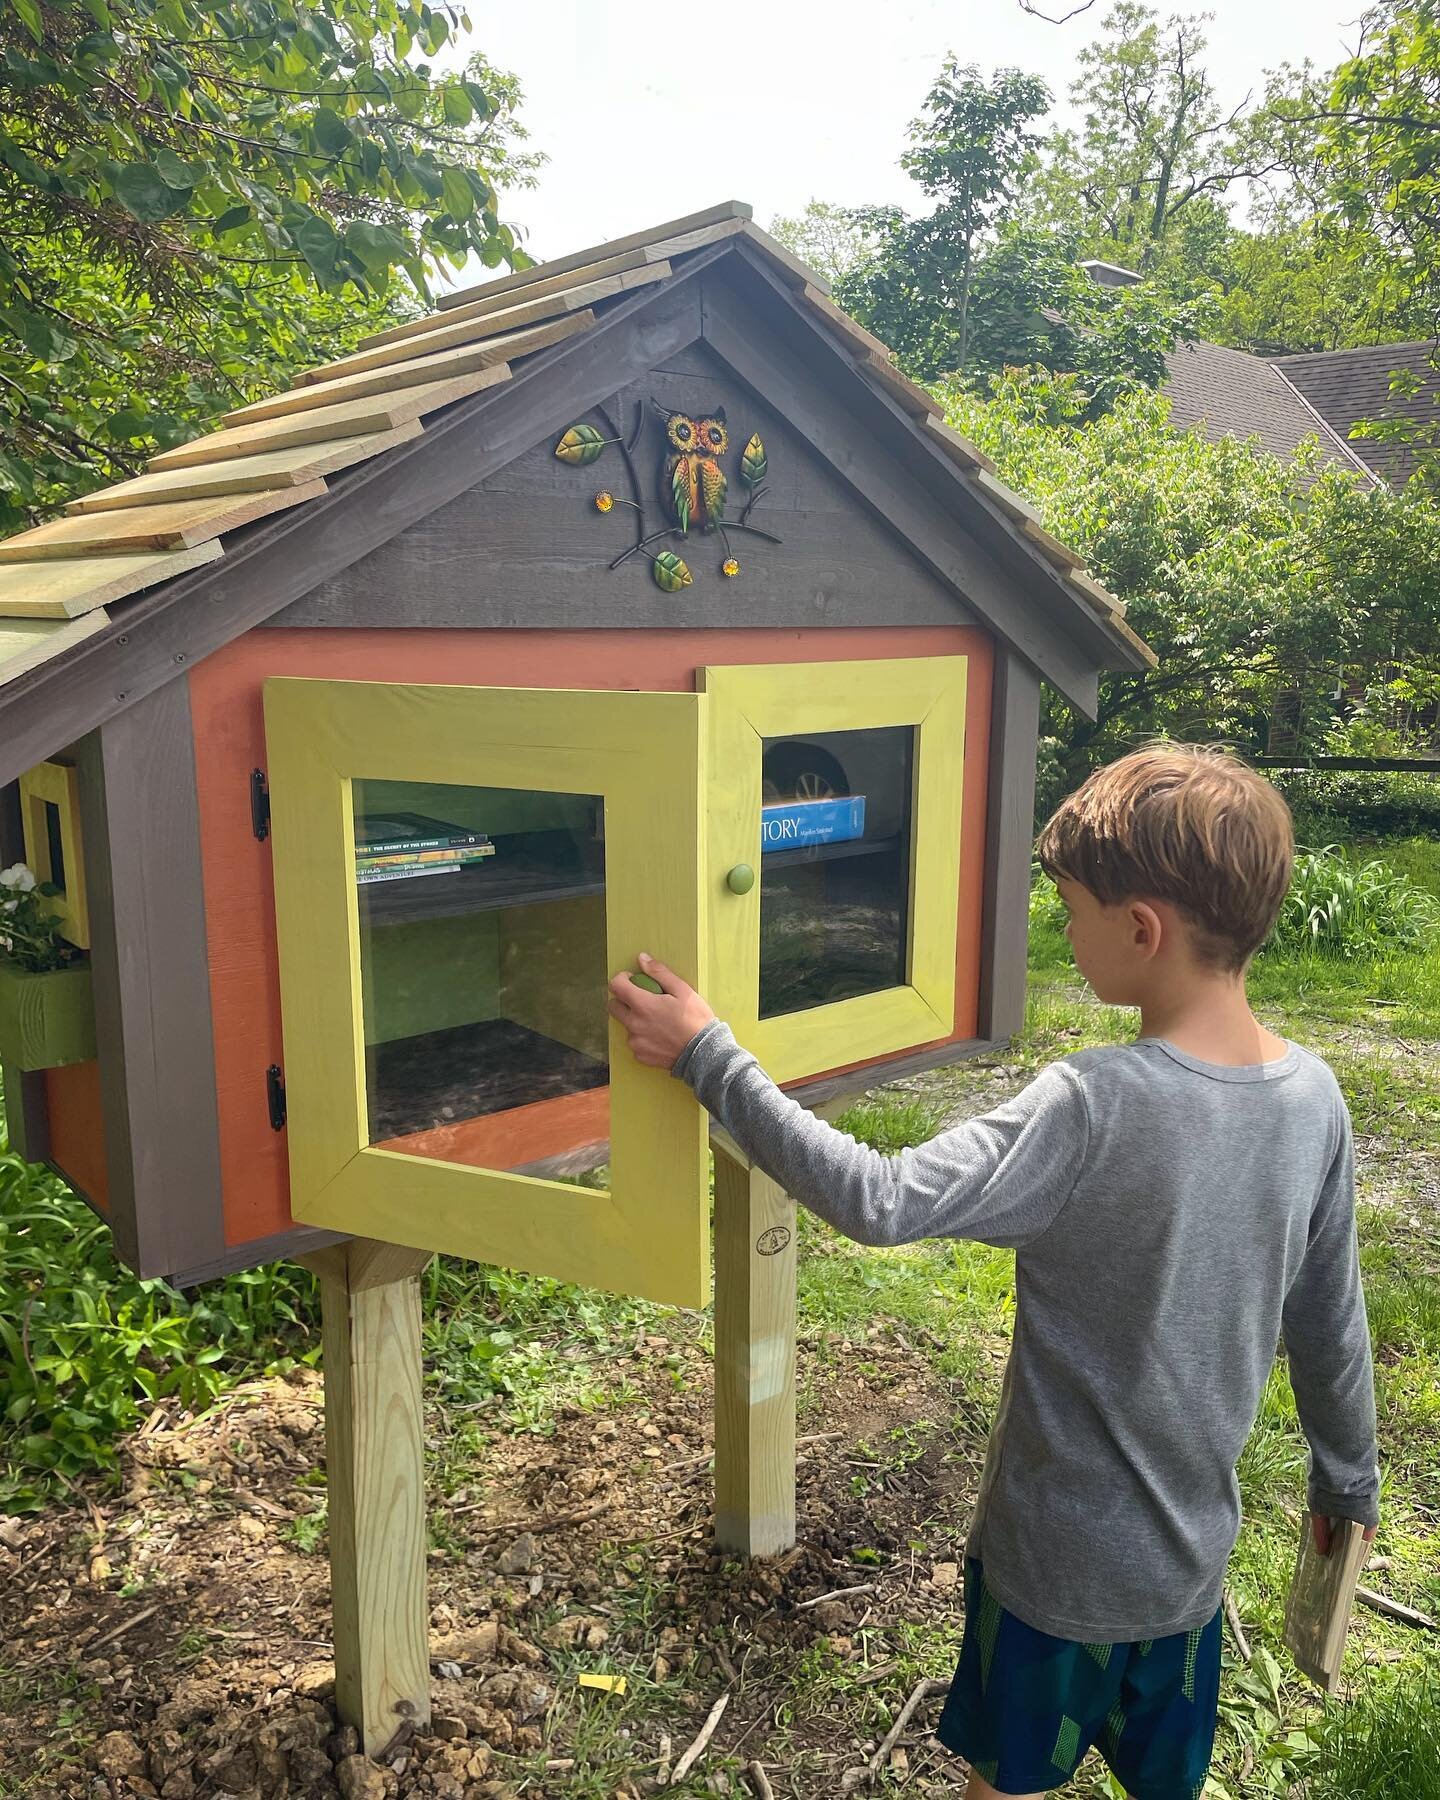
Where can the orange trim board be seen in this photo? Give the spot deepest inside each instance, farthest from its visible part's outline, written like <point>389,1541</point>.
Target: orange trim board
<point>226,709</point>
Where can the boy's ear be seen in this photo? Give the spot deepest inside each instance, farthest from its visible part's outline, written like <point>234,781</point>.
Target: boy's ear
<point>1147,928</point>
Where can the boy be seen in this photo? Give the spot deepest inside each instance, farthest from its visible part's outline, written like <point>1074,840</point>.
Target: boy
<point>1172,1203</point>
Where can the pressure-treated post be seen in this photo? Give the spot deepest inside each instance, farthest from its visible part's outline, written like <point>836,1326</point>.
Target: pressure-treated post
<point>754,1358</point>
<point>374,1452</point>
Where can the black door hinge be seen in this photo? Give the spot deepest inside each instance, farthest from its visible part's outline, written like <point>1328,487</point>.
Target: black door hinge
<point>259,804</point>
<point>275,1096</point>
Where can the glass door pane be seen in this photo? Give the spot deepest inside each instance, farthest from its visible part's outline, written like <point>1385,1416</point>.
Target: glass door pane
<point>482,972</point>
<point>835,860</point>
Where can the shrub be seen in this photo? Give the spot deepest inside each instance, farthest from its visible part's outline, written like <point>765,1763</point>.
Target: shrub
<point>1331,804</point>
<point>1341,908</point>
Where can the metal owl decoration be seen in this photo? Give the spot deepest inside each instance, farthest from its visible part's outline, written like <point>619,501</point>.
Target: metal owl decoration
<point>694,489</point>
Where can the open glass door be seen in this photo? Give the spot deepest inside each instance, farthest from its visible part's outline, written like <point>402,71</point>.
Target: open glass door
<point>458,871</point>
<point>834,856</point>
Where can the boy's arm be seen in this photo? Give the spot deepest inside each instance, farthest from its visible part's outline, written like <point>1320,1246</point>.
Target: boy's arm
<point>1001,1179</point>
<point>1327,1340</point>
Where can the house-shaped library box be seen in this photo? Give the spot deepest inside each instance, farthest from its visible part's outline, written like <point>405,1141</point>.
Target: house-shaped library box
<point>632,601</point>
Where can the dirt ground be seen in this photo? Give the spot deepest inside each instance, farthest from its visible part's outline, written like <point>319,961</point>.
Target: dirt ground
<point>175,1642</point>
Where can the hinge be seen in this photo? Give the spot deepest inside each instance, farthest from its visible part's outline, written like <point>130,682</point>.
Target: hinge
<point>259,804</point>
<point>275,1096</point>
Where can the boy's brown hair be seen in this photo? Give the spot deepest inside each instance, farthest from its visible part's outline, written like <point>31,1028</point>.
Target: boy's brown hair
<point>1184,823</point>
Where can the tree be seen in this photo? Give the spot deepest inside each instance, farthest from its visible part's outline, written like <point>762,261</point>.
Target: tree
<point>1153,140</point>
<point>1257,581</point>
<point>832,239</point>
<point>968,150</point>
<point>189,189</point>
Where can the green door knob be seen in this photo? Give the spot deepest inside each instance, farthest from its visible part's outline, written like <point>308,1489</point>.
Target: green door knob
<point>741,879</point>
<point>648,982</point>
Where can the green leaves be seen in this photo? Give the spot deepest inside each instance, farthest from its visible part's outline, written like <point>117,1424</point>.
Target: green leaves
<point>670,572</point>
<point>142,190</point>
<point>753,463</point>
<point>183,194</point>
<point>580,445</point>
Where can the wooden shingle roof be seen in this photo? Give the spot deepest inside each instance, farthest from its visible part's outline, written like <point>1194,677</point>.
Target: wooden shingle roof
<point>280,452</point>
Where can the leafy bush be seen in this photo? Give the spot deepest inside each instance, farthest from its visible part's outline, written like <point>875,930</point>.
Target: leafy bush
<point>1331,805</point>
<point>1341,908</point>
<point>1382,1746</point>
<point>87,1349</point>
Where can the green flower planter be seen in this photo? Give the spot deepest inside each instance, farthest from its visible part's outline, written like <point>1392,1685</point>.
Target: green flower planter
<point>46,1019</point>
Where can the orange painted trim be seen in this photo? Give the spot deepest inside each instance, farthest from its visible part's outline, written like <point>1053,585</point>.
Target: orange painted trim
<point>522,1134</point>
<point>77,1129</point>
<point>225,697</point>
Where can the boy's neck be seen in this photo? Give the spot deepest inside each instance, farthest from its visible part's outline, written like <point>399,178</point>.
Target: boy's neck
<point>1206,1013</point>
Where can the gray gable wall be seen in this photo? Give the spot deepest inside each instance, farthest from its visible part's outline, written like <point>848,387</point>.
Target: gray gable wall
<point>526,546</point>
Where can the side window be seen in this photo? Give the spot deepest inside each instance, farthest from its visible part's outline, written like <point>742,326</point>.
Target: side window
<point>50,802</point>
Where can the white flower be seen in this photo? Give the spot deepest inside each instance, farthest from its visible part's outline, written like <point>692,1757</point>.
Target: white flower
<point>9,906</point>
<point>17,876</point>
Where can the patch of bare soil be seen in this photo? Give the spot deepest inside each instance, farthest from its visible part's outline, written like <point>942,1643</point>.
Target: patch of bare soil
<point>175,1641</point>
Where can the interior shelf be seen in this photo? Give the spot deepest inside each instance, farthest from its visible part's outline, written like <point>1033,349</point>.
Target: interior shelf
<point>810,853</point>
<point>521,873</point>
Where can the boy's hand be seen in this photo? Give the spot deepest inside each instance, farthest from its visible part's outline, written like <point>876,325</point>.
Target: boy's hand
<point>1323,1530</point>
<point>659,1025</point>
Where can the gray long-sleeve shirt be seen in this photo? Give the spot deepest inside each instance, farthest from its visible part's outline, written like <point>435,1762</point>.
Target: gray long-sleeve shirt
<point>1168,1216</point>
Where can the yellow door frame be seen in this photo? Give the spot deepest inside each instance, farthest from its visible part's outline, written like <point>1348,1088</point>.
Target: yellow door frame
<point>748,704</point>
<point>645,754</point>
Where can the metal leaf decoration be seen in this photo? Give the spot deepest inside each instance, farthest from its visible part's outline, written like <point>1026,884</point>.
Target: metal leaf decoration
<point>753,463</point>
<point>670,573</point>
<point>581,444</point>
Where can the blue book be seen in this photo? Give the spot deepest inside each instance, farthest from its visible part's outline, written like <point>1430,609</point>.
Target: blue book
<point>796,824</point>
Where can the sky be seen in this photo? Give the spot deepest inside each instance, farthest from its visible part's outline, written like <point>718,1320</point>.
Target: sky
<point>649,111</point>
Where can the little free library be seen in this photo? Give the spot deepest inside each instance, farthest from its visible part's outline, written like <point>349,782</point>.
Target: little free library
<point>634,601</point>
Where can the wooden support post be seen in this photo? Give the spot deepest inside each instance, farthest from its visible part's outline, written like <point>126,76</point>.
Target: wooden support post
<point>754,1358</point>
<point>374,1452</point>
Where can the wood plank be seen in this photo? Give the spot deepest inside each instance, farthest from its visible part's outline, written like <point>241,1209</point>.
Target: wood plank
<point>755,1261</point>
<point>149,953</point>
<point>837,317</point>
<point>912,397</point>
<point>348,418</point>
<point>579,259</point>
<point>1101,597</point>
<point>449,332</point>
<point>1051,548</point>
<point>273,469</point>
<point>68,589</point>
<point>1009,837</point>
<point>179,525</point>
<point>792,271</point>
<point>375,1467</point>
<point>27,643</point>
<point>1004,496</point>
<point>463,359</point>
<point>957,447</point>
<point>486,304</point>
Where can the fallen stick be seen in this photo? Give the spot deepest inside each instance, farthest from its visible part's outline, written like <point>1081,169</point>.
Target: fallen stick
<point>1392,1609</point>
<point>1232,1614</point>
<point>139,1618</point>
<point>662,1778</point>
<point>922,1690</point>
<point>876,1674</point>
<point>760,1781</point>
<point>865,1587</point>
<point>697,1749</point>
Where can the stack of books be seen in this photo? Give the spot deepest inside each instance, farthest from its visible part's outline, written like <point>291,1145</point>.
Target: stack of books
<point>402,846</point>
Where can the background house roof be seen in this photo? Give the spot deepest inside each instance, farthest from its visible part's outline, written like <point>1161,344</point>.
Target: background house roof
<point>1230,393</point>
<point>1349,385</point>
